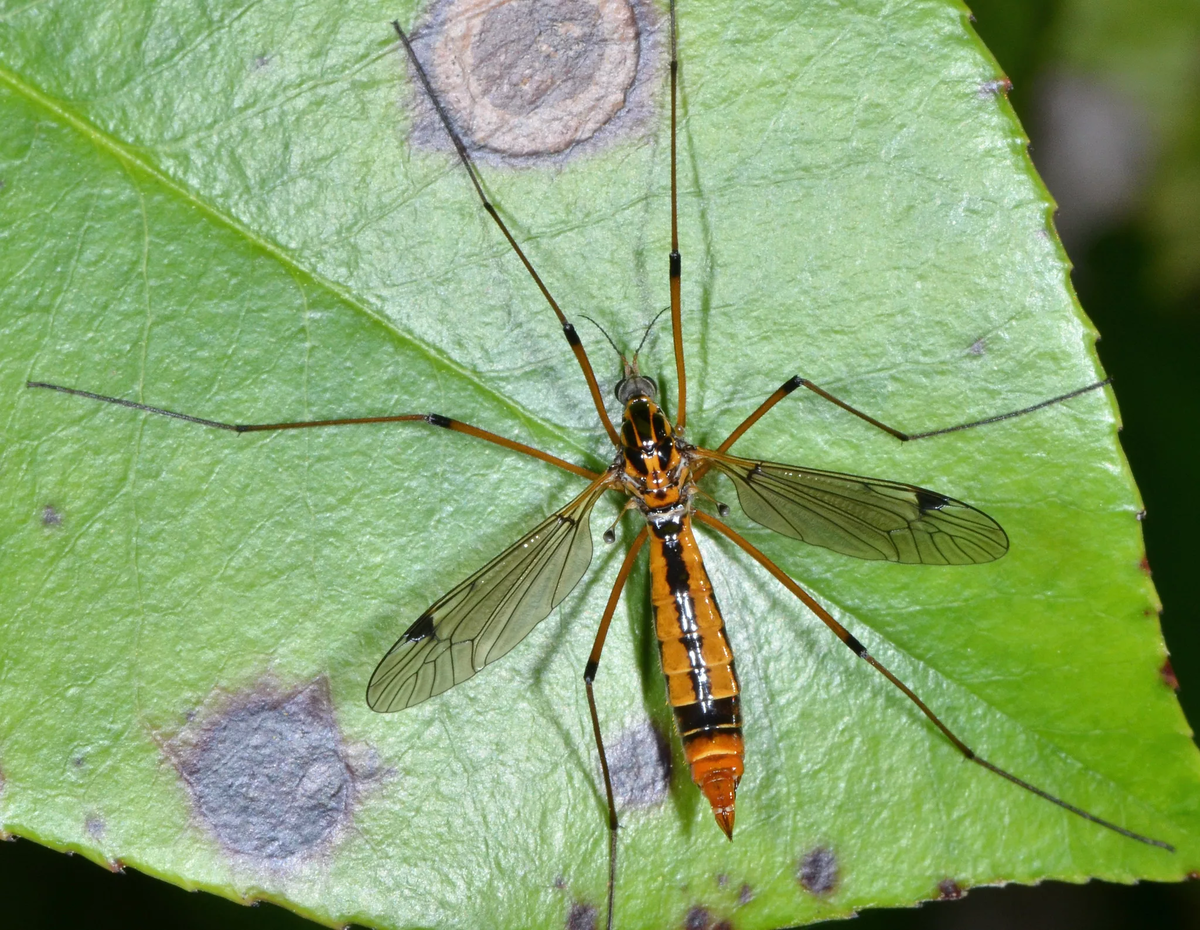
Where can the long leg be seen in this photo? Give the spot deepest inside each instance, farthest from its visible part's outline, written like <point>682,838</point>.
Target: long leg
<point>433,419</point>
<point>676,263</point>
<point>465,157</point>
<point>797,382</point>
<point>589,676</point>
<point>860,650</point>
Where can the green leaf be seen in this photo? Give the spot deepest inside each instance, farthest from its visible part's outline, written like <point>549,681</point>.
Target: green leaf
<point>225,209</point>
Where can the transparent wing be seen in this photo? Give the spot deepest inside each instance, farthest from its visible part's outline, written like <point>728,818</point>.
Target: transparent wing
<point>489,613</point>
<point>862,517</point>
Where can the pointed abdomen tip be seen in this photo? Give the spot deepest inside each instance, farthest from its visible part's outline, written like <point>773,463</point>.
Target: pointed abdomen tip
<point>721,791</point>
<point>725,821</point>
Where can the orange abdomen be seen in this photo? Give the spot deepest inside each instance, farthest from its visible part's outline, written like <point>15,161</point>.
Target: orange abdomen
<point>702,685</point>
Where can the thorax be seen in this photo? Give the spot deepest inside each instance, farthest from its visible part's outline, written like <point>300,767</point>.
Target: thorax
<point>654,464</point>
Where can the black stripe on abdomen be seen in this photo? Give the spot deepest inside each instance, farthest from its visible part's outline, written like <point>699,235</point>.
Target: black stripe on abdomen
<point>705,716</point>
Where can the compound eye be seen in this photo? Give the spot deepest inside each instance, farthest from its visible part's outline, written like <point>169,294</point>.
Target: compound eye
<point>638,386</point>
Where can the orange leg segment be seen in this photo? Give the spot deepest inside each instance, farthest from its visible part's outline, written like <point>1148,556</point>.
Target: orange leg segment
<point>860,650</point>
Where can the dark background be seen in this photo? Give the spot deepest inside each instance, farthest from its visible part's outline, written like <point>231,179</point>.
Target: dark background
<point>1112,104</point>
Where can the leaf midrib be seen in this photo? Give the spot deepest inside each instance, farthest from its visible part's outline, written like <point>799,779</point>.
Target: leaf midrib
<point>127,156</point>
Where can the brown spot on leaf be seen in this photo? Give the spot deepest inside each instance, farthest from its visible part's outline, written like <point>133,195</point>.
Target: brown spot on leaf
<point>527,79</point>
<point>1168,675</point>
<point>818,871</point>
<point>700,918</point>
<point>1144,565</point>
<point>1001,85</point>
<point>950,890</point>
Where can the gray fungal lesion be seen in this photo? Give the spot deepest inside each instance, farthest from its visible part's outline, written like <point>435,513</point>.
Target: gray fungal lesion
<point>268,771</point>
<point>95,826</point>
<point>639,760</point>
<point>528,80</point>
<point>582,916</point>
<point>819,872</point>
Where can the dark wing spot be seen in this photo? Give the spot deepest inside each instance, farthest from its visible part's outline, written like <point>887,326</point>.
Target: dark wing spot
<point>929,500</point>
<point>422,629</point>
<point>818,871</point>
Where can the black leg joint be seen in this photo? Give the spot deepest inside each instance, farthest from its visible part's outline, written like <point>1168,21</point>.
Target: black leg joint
<point>589,671</point>
<point>436,419</point>
<point>676,265</point>
<point>569,332</point>
<point>791,384</point>
<point>859,649</point>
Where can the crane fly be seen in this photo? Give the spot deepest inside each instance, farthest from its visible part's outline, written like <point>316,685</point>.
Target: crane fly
<point>658,470</point>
